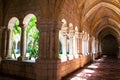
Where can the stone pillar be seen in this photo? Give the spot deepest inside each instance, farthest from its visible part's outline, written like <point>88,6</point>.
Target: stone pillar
<point>48,61</point>
<point>70,47</point>
<point>96,49</point>
<point>64,30</point>
<point>23,44</point>
<point>119,48</point>
<point>0,44</point>
<point>119,53</point>
<point>76,43</point>
<point>4,43</point>
<point>90,46</point>
<point>71,35</point>
<point>80,44</point>
<point>9,44</point>
<point>100,49</point>
<point>64,48</point>
<point>84,43</point>
<point>93,48</point>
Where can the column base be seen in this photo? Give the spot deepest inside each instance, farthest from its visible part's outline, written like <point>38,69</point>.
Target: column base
<point>70,57</point>
<point>76,56</point>
<point>21,58</point>
<point>63,58</point>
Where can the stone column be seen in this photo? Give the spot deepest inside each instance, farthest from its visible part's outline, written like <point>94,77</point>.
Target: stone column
<point>93,48</point>
<point>23,44</point>
<point>9,44</point>
<point>64,48</point>
<point>4,44</point>
<point>0,44</point>
<point>96,49</point>
<point>70,47</point>
<point>80,44</point>
<point>100,49</point>
<point>71,35</point>
<point>90,47</point>
<point>48,61</point>
<point>119,53</point>
<point>119,48</point>
<point>64,30</point>
<point>76,43</point>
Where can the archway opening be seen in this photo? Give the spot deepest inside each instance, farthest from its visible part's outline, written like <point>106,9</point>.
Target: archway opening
<point>13,44</point>
<point>110,46</point>
<point>32,37</point>
<point>16,40</point>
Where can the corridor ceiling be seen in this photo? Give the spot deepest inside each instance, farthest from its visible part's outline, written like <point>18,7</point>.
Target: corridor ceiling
<point>93,16</point>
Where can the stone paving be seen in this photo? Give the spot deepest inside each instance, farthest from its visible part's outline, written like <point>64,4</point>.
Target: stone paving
<point>105,68</point>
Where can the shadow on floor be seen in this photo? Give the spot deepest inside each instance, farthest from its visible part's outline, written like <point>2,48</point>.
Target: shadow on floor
<point>105,68</point>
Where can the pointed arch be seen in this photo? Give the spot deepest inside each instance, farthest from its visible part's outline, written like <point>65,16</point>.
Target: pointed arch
<point>103,4</point>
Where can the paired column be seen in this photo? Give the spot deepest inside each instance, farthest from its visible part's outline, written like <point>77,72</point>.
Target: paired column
<point>76,43</point>
<point>71,36</point>
<point>64,43</point>
<point>23,44</point>
<point>70,56</point>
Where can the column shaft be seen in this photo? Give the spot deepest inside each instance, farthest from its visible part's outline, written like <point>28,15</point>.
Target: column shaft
<point>23,45</point>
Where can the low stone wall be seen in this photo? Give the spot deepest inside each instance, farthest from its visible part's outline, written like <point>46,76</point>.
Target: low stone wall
<point>19,69</point>
<point>72,65</point>
<point>52,69</point>
<point>69,66</point>
<point>85,60</point>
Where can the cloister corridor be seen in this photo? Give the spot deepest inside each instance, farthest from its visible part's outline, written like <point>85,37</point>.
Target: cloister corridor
<point>59,39</point>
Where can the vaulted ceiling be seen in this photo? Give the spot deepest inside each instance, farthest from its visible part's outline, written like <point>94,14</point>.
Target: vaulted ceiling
<point>93,16</point>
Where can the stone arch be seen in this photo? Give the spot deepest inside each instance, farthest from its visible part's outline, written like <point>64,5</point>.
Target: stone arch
<point>95,26</point>
<point>27,35</point>
<point>109,31</point>
<point>12,22</point>
<point>103,4</point>
<point>10,28</point>
<point>99,29</point>
<point>27,18</point>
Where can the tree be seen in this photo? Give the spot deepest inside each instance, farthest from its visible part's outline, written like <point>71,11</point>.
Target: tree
<point>32,35</point>
<point>16,38</point>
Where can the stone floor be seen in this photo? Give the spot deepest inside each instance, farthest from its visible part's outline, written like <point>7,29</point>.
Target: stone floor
<point>106,68</point>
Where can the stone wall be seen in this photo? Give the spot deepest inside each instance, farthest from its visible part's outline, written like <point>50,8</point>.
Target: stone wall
<point>27,69</point>
<point>19,69</point>
<point>72,65</point>
<point>69,66</point>
<point>85,60</point>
